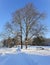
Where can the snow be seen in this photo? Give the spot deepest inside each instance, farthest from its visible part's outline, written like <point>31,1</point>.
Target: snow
<point>37,51</point>
<point>31,56</point>
<point>29,50</point>
<point>24,59</point>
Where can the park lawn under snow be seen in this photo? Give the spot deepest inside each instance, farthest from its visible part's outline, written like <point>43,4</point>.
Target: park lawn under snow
<point>31,56</point>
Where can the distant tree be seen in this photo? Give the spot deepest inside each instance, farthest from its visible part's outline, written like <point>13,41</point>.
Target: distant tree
<point>11,41</point>
<point>8,42</point>
<point>17,40</point>
<point>5,43</point>
<point>27,20</point>
<point>10,31</point>
<point>38,41</point>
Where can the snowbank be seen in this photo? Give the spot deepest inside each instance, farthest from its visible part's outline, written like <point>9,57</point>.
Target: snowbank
<point>35,50</point>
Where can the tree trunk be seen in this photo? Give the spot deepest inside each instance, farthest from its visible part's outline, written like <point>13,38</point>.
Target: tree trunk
<point>21,42</point>
<point>21,35</point>
<point>26,42</point>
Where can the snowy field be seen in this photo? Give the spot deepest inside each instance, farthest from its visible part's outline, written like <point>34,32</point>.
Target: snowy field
<point>31,56</point>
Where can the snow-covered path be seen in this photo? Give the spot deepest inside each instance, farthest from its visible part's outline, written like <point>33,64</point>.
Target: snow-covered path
<point>24,59</point>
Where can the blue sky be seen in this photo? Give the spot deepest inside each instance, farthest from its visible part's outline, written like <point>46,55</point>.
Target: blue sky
<point>7,7</point>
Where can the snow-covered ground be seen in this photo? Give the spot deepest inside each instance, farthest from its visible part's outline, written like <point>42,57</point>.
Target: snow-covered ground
<point>29,56</point>
<point>30,50</point>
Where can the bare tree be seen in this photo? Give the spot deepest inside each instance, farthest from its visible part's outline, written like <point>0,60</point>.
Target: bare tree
<point>17,19</point>
<point>13,32</point>
<point>27,20</point>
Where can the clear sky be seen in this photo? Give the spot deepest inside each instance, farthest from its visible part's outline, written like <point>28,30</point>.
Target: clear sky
<point>7,7</point>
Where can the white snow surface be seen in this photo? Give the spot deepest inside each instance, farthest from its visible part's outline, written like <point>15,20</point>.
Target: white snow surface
<point>29,50</point>
<point>29,56</point>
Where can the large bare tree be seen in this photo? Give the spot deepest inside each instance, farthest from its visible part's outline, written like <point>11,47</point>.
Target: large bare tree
<point>27,20</point>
